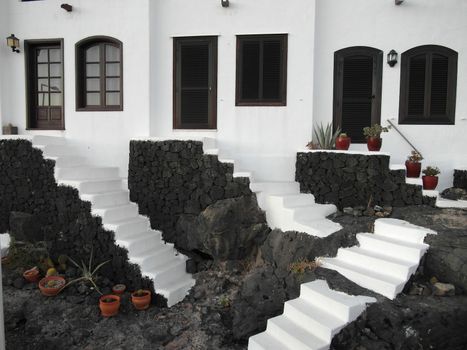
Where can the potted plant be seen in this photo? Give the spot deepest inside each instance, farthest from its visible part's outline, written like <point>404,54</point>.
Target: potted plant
<point>51,285</point>
<point>109,305</point>
<point>324,137</point>
<point>373,136</point>
<point>413,165</point>
<point>343,142</point>
<point>430,178</point>
<point>119,288</point>
<point>141,299</point>
<point>32,275</point>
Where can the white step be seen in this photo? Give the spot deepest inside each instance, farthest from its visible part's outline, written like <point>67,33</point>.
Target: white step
<point>78,173</point>
<point>388,265</point>
<point>107,199</point>
<point>55,150</point>
<point>401,230</point>
<point>126,228</point>
<point>209,142</point>
<point>152,257</point>
<point>266,341</point>
<point>176,290</point>
<point>446,203</point>
<point>403,250</point>
<point>275,187</point>
<point>313,212</point>
<point>316,318</point>
<point>291,200</point>
<point>121,212</point>
<point>294,335</point>
<point>48,140</point>
<point>320,228</point>
<point>397,167</point>
<point>342,306</point>
<point>376,281</point>
<point>167,272</point>
<point>68,161</point>
<point>227,160</point>
<point>414,181</point>
<point>211,151</point>
<point>431,193</point>
<point>141,242</point>
<point>94,186</point>
<point>243,174</point>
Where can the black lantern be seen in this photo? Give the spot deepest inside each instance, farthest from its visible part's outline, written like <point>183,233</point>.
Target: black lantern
<point>13,42</point>
<point>225,3</point>
<point>392,58</point>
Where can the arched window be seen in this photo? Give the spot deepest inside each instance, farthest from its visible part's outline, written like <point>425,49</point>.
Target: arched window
<point>99,74</point>
<point>428,85</point>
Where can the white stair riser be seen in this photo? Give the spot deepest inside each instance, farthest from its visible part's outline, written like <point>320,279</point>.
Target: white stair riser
<point>85,173</point>
<point>175,295</point>
<point>139,246</point>
<point>117,213</point>
<point>162,253</point>
<point>291,201</point>
<point>55,150</point>
<point>299,317</point>
<point>313,212</point>
<point>391,249</point>
<point>339,310</point>
<point>393,269</point>
<point>48,140</point>
<point>94,186</point>
<point>407,234</point>
<point>68,161</point>
<point>285,337</point>
<point>387,289</point>
<point>170,273</point>
<point>122,231</point>
<point>108,199</point>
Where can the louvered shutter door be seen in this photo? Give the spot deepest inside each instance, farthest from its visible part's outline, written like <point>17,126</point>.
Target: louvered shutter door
<point>272,62</point>
<point>417,80</point>
<point>439,85</point>
<point>250,72</point>
<point>194,84</point>
<point>357,94</point>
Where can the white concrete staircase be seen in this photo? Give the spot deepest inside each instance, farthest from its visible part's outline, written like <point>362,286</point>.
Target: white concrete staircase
<point>109,199</point>
<point>310,321</point>
<point>384,260</point>
<point>286,208</point>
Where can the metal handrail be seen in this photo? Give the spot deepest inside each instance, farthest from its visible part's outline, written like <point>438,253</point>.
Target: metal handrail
<point>403,136</point>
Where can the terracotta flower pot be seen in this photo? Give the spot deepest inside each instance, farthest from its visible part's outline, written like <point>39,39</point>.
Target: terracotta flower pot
<point>32,275</point>
<point>119,288</point>
<point>141,302</point>
<point>413,169</point>
<point>429,182</point>
<point>109,305</point>
<point>343,143</point>
<point>374,143</point>
<point>51,285</point>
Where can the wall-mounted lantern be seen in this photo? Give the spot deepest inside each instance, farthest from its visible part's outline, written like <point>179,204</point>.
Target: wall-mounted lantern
<point>13,42</point>
<point>67,7</point>
<point>225,3</point>
<point>398,2</point>
<point>392,58</point>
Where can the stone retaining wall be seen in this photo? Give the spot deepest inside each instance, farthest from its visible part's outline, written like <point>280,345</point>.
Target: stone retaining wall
<point>174,180</point>
<point>349,180</point>
<point>64,221</point>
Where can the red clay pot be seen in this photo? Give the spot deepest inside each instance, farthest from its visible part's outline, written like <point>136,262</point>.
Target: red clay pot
<point>141,302</point>
<point>119,288</point>
<point>109,309</point>
<point>50,292</point>
<point>374,143</point>
<point>413,169</point>
<point>429,182</point>
<point>343,143</point>
<point>32,275</point>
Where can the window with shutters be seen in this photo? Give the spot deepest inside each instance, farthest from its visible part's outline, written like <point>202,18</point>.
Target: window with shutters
<point>357,90</point>
<point>261,70</point>
<point>428,85</point>
<point>99,74</point>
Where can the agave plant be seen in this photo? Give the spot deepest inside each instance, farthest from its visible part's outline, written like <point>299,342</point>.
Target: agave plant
<point>324,136</point>
<point>88,273</point>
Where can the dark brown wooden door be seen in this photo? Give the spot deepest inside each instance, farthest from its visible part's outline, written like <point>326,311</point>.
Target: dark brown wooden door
<point>195,83</point>
<point>357,90</point>
<point>45,84</point>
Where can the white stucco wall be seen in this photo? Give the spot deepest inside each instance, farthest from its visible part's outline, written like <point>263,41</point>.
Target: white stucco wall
<point>262,139</point>
<point>381,24</point>
<point>105,135</point>
<point>3,52</point>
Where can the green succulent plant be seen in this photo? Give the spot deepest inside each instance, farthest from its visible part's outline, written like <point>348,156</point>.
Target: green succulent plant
<point>324,136</point>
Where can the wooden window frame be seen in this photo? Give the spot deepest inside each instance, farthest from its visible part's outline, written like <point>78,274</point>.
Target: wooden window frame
<point>339,57</point>
<point>28,46</point>
<point>427,118</point>
<point>282,100</point>
<point>80,57</point>
<point>212,114</point>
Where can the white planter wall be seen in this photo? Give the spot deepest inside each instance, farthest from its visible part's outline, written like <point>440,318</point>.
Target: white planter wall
<point>381,24</point>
